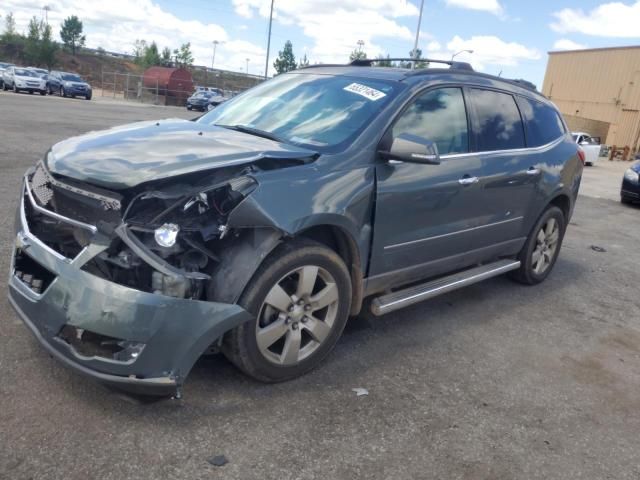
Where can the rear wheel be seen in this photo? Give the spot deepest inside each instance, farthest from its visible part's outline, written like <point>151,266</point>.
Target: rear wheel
<point>43,92</point>
<point>300,298</point>
<point>15,89</point>
<point>540,251</point>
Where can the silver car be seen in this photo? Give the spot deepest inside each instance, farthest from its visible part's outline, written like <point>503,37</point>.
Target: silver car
<point>3,67</point>
<point>23,79</point>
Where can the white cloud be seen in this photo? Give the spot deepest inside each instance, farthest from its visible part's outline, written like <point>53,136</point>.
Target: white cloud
<point>487,51</point>
<point>566,44</point>
<point>615,19</point>
<point>335,26</point>
<point>116,24</point>
<point>433,46</point>
<point>491,6</point>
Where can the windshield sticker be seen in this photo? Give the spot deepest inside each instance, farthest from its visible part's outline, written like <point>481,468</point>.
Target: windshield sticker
<point>367,92</point>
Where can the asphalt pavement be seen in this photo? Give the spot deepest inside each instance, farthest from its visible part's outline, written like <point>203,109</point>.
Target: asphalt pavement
<point>496,381</point>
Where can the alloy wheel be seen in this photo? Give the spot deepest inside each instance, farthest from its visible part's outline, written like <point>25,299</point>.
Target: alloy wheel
<point>297,315</point>
<point>546,246</point>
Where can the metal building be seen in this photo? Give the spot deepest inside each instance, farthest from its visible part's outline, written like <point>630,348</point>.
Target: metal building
<point>598,91</point>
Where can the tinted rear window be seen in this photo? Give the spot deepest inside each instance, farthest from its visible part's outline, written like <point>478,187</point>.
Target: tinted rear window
<point>543,124</point>
<point>499,126</point>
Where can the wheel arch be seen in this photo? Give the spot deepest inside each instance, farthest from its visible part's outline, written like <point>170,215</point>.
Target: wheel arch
<point>563,202</point>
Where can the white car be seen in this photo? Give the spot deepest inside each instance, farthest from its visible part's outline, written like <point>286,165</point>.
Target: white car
<point>23,79</point>
<point>590,145</point>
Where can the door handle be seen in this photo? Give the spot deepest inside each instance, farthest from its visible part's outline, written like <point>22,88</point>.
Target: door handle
<point>468,180</point>
<point>533,171</point>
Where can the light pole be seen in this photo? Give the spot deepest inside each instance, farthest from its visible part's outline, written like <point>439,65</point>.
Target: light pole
<point>213,57</point>
<point>266,64</point>
<point>458,53</point>
<point>247,60</point>
<point>415,44</point>
<point>46,9</point>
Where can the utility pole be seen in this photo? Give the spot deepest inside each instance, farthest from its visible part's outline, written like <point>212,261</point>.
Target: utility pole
<point>213,58</point>
<point>266,65</point>
<point>415,44</point>
<point>46,9</point>
<point>360,45</point>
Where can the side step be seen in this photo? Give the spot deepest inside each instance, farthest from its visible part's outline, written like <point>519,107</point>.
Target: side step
<point>403,298</point>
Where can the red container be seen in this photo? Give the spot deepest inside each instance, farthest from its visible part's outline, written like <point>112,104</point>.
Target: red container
<point>172,82</point>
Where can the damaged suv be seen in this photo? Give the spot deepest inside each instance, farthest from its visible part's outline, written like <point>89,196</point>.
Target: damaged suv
<point>259,228</point>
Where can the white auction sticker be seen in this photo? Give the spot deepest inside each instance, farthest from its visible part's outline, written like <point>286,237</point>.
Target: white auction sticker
<point>367,92</point>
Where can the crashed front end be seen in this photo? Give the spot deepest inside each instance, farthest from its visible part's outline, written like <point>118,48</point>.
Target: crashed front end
<point>116,284</point>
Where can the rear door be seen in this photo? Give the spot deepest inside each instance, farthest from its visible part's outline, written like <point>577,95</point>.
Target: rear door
<point>509,172</point>
<point>424,213</point>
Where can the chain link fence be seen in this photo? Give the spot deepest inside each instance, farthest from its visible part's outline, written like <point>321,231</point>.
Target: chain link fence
<point>131,87</point>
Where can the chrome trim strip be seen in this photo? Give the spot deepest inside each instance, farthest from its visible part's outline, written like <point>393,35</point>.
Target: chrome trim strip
<point>540,149</point>
<point>404,244</point>
<point>57,216</point>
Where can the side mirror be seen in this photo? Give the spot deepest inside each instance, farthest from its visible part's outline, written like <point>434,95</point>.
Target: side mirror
<point>412,149</point>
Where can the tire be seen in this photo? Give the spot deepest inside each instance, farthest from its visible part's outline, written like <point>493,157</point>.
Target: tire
<point>87,97</point>
<point>625,200</point>
<point>291,342</point>
<point>62,92</point>
<point>15,89</point>
<point>30,92</point>
<point>43,92</point>
<point>541,247</point>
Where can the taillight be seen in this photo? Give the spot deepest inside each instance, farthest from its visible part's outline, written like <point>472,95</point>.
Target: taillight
<point>581,155</point>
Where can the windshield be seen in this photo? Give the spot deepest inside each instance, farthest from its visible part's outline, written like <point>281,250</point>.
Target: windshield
<point>202,95</point>
<point>318,111</point>
<point>21,72</point>
<point>69,77</point>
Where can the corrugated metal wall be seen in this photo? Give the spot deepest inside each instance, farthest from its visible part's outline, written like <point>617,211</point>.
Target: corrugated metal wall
<point>600,84</point>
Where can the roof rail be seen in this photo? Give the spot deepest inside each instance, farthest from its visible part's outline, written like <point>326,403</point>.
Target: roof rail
<point>523,83</point>
<point>367,62</point>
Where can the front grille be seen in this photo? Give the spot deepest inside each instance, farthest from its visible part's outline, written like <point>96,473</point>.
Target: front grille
<point>31,273</point>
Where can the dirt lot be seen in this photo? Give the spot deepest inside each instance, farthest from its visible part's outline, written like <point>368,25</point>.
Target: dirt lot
<point>498,381</point>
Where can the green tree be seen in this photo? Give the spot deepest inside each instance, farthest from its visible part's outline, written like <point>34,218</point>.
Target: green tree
<point>139,47</point>
<point>183,56</point>
<point>48,47</point>
<point>9,33</point>
<point>165,58</point>
<point>384,61</point>
<point>101,51</point>
<point>286,61</point>
<point>32,43</point>
<point>151,55</point>
<point>304,62</point>
<point>71,33</point>
<point>357,54</point>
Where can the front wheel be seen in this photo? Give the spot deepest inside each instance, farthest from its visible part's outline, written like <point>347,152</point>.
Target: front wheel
<point>540,251</point>
<point>300,298</point>
<point>43,92</point>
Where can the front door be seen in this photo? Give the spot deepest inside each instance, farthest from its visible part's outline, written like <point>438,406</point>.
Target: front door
<point>425,214</point>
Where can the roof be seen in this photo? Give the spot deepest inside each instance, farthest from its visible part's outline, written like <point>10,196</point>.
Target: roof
<point>626,47</point>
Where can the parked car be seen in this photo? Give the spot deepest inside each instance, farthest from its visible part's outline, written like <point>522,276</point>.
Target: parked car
<point>261,227</point>
<point>68,85</point>
<point>199,101</point>
<point>590,145</point>
<point>23,80</point>
<point>41,72</point>
<point>3,67</point>
<point>630,190</point>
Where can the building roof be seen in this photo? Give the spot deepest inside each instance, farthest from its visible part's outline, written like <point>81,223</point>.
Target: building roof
<point>626,47</point>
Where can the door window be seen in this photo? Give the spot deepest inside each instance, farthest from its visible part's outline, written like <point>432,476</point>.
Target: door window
<point>542,122</point>
<point>499,126</point>
<point>440,116</point>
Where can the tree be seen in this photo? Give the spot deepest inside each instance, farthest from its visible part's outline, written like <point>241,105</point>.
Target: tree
<point>166,56</point>
<point>357,54</point>
<point>384,61</point>
<point>286,61</point>
<point>183,56</point>
<point>139,47</point>
<point>48,47</point>
<point>32,43</point>
<point>71,33</point>
<point>151,56</point>
<point>9,33</point>
<point>304,62</point>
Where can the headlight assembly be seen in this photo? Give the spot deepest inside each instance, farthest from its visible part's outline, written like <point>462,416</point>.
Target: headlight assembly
<point>632,176</point>
<point>166,235</point>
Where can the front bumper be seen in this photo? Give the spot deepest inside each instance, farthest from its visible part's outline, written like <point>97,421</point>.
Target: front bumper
<point>630,190</point>
<point>77,92</point>
<point>174,332</point>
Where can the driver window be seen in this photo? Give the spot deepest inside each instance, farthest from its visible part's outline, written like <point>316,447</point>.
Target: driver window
<point>440,116</point>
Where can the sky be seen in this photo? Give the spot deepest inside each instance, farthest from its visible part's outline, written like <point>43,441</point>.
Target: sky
<point>508,36</point>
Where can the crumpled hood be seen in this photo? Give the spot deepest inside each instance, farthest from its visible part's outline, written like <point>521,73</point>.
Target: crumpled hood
<point>129,155</point>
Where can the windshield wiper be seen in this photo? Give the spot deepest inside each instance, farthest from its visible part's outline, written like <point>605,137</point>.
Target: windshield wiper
<point>254,131</point>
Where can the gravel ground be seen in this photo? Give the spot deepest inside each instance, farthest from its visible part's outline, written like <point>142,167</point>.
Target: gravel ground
<point>497,381</point>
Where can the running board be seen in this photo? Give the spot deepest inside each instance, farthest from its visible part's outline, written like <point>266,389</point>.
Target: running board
<point>403,298</point>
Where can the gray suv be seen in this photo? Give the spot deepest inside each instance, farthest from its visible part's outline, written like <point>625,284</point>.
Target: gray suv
<point>262,226</point>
